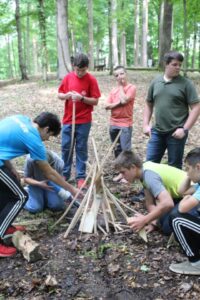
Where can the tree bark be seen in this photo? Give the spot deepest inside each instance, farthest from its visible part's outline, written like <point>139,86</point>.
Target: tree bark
<point>123,49</point>
<point>91,36</point>
<point>22,66</point>
<point>114,33</point>
<point>185,63</point>
<point>10,67</point>
<point>29,248</point>
<point>136,33</point>
<point>144,32</point>
<point>42,25</point>
<point>28,60</point>
<point>165,37</point>
<point>64,62</point>
<point>110,37</point>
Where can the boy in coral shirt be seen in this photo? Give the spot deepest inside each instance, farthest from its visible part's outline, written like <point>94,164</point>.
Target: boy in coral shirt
<point>120,102</point>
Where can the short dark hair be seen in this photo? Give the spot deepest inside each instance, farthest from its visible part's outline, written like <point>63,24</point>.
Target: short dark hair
<point>193,157</point>
<point>81,60</point>
<point>119,67</point>
<point>169,56</point>
<point>47,119</point>
<point>126,159</point>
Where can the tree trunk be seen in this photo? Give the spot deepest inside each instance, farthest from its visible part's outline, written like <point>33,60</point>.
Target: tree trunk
<point>10,67</point>
<point>123,49</point>
<point>136,33</point>
<point>42,25</point>
<point>90,31</point>
<point>22,66</point>
<point>144,32</point>
<point>73,42</point>
<point>28,60</point>
<point>36,66</point>
<point>14,58</point>
<point>110,37</point>
<point>165,37</point>
<point>114,33</point>
<point>185,63</point>
<point>194,47</point>
<point>64,62</point>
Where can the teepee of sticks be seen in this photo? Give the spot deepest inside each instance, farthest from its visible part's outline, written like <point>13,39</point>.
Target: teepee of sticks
<point>99,205</point>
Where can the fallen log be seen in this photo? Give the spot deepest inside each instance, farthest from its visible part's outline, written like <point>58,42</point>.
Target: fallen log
<point>28,247</point>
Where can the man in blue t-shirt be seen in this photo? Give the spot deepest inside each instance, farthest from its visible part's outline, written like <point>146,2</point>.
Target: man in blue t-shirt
<point>20,136</point>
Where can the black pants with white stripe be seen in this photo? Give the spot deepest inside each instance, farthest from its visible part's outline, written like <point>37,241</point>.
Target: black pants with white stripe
<point>187,232</point>
<point>12,199</point>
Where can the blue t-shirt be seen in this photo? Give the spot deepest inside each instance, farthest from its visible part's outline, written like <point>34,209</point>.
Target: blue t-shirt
<point>196,194</point>
<point>18,137</point>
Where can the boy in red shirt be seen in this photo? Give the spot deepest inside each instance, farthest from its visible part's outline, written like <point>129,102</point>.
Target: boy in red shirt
<point>79,89</point>
<point>120,101</point>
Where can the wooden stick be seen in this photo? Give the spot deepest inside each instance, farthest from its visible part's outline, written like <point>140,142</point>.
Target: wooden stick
<point>29,248</point>
<point>77,215</point>
<point>108,205</point>
<point>73,128</point>
<point>73,201</point>
<point>88,200</point>
<point>116,203</point>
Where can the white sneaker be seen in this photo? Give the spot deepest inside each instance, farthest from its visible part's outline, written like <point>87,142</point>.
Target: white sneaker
<point>186,268</point>
<point>63,194</point>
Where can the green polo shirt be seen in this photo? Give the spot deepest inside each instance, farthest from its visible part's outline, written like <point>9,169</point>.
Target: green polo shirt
<point>171,102</point>
<point>159,177</point>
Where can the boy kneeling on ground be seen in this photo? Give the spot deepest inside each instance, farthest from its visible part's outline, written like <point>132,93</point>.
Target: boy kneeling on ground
<point>161,187</point>
<point>186,227</point>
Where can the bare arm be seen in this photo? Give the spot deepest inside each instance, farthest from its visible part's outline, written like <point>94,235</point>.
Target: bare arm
<point>13,170</point>
<point>192,118</point>
<point>148,111</point>
<point>52,175</point>
<point>163,205</point>
<point>42,184</point>
<point>66,96</point>
<point>187,204</point>
<point>186,188</point>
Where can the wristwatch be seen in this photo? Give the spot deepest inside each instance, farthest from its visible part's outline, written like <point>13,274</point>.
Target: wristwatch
<point>184,129</point>
<point>82,99</point>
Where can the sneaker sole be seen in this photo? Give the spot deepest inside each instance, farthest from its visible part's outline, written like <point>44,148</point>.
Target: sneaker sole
<point>7,255</point>
<point>185,272</point>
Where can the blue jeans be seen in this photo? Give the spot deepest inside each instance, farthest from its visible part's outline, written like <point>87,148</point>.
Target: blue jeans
<point>165,221</point>
<point>81,136</point>
<point>159,142</point>
<point>39,199</point>
<point>124,141</point>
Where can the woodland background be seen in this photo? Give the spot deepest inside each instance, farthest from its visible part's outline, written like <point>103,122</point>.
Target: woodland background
<point>40,37</point>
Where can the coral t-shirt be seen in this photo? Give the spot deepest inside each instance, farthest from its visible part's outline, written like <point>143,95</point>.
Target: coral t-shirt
<point>86,86</point>
<point>122,115</point>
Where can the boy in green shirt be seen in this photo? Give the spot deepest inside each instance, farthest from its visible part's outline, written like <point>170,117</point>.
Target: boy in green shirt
<point>161,187</point>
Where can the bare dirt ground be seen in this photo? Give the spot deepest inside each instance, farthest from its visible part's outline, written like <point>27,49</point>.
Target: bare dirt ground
<point>116,266</point>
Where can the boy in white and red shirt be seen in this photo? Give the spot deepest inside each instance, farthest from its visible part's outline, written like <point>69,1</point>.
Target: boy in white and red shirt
<point>80,89</point>
<point>120,102</point>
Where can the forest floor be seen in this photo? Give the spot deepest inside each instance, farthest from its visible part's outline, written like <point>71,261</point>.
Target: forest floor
<point>116,266</point>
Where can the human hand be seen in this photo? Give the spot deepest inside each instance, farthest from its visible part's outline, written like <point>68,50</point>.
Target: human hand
<point>44,185</point>
<point>74,191</point>
<point>179,133</point>
<point>76,96</point>
<point>147,130</point>
<point>137,222</point>
<point>150,228</point>
<point>15,173</point>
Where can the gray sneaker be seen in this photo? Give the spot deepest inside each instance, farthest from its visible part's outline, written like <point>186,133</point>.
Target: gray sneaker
<point>186,268</point>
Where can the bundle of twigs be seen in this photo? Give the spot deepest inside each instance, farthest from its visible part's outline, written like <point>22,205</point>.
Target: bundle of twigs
<point>98,209</point>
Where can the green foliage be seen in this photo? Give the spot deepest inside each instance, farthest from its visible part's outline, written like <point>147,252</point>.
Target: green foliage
<point>78,26</point>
